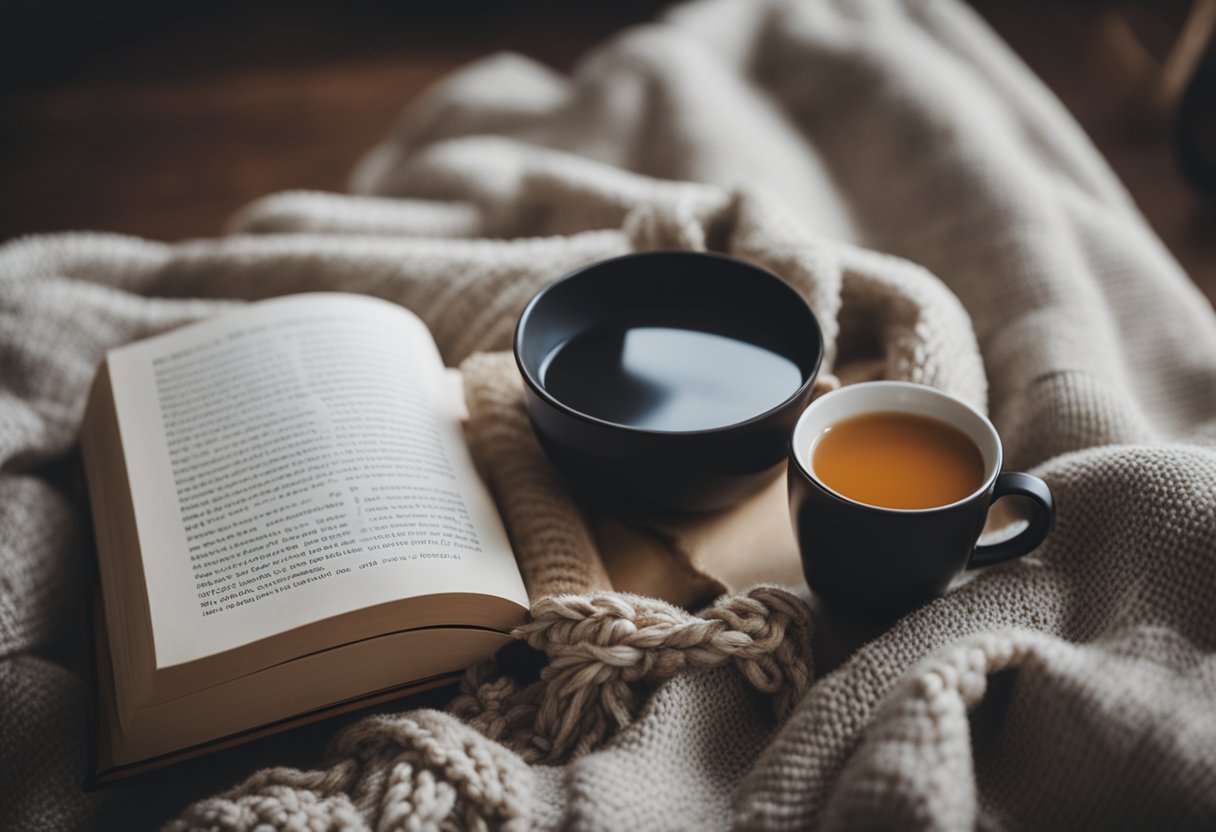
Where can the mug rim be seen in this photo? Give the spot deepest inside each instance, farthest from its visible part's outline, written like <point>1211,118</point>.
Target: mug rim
<point>809,475</point>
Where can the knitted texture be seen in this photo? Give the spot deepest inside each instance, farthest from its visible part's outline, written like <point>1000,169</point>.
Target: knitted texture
<point>599,647</point>
<point>948,223</point>
<point>553,544</point>
<point>426,771</point>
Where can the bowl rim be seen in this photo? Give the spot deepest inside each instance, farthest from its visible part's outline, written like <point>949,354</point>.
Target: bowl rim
<point>539,389</point>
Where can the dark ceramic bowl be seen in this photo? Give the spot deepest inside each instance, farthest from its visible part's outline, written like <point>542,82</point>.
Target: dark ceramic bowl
<point>668,380</point>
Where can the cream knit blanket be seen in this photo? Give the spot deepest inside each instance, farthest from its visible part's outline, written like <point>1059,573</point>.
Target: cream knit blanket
<point>949,223</point>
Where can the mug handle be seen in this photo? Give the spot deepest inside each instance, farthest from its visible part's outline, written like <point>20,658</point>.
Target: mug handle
<point>1042,516</point>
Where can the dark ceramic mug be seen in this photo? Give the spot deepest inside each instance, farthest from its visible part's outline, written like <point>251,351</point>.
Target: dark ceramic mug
<point>870,562</point>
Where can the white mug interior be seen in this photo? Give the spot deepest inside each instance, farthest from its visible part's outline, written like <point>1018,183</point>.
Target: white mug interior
<point>898,397</point>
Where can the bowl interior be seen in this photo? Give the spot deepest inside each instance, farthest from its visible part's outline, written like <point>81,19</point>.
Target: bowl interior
<point>669,342</point>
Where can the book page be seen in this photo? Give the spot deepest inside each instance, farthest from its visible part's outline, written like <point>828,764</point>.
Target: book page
<point>294,460</point>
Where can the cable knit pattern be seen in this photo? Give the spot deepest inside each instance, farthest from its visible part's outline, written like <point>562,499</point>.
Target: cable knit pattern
<point>948,222</point>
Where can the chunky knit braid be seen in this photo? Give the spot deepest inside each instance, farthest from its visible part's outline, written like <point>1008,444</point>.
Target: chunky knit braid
<point>603,648</point>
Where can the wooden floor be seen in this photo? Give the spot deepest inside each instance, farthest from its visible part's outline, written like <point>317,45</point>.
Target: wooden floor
<point>162,126</point>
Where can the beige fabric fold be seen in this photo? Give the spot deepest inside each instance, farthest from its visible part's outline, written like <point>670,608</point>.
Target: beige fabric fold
<point>948,222</point>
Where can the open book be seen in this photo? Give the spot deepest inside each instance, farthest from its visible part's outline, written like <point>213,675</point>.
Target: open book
<point>288,525</point>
